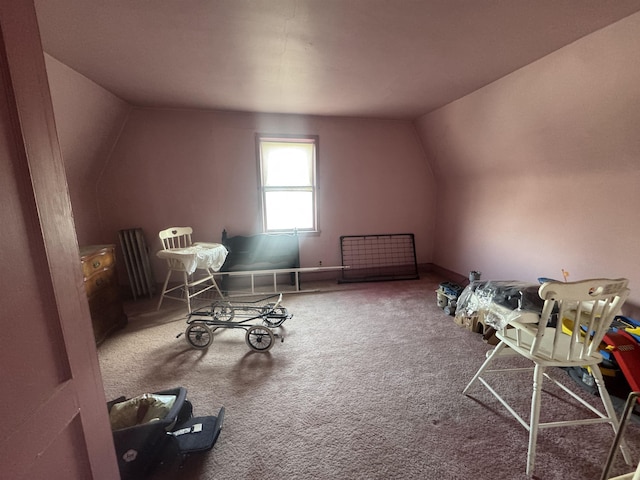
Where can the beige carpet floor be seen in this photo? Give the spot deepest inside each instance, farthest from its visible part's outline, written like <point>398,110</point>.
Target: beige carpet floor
<point>366,385</point>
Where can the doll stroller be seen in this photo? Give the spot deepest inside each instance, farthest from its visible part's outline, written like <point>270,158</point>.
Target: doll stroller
<point>157,429</point>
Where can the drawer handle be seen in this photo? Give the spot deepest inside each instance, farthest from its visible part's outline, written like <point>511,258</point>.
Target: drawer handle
<point>96,264</point>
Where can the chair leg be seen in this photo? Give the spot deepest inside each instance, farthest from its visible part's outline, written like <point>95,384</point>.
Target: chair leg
<point>497,349</point>
<point>164,289</point>
<point>187,292</point>
<point>215,284</point>
<point>611,412</point>
<point>536,397</point>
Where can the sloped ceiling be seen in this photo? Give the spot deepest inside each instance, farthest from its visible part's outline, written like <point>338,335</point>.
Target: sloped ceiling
<point>364,58</point>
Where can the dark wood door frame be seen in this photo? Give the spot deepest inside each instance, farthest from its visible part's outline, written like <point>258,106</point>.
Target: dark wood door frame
<point>52,385</point>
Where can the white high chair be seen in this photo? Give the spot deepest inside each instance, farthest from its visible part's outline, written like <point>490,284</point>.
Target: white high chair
<point>584,306</point>
<point>178,239</point>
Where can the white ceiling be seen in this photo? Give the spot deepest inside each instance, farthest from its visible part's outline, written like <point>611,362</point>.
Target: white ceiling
<point>370,58</point>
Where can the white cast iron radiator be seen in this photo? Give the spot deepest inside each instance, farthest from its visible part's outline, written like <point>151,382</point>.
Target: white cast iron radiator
<point>136,257</point>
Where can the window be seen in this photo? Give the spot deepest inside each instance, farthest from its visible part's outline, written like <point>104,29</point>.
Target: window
<point>288,182</point>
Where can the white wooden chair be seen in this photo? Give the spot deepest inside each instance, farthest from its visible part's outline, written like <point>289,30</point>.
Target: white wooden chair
<point>589,304</point>
<point>192,284</point>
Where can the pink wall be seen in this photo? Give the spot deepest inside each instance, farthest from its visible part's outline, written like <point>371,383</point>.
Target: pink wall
<point>198,168</point>
<point>540,170</point>
<point>88,121</point>
<point>521,166</point>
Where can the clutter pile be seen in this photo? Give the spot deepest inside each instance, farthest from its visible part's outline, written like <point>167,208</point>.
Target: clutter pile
<point>486,306</point>
<point>447,296</point>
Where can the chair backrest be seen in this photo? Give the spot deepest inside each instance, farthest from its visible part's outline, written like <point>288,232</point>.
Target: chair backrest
<point>176,237</point>
<point>582,310</point>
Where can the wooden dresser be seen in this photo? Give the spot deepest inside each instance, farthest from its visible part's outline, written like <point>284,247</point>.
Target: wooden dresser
<point>103,291</point>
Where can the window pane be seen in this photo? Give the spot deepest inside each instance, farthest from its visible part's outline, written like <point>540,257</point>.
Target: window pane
<point>287,164</point>
<point>289,210</point>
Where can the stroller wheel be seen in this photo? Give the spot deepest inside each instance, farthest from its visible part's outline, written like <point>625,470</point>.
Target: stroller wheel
<point>260,338</point>
<point>199,335</point>
<point>275,318</point>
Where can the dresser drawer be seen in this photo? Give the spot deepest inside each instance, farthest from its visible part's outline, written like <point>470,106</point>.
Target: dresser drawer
<point>97,261</point>
<point>102,288</point>
<point>98,281</point>
<point>106,312</point>
<point>101,300</point>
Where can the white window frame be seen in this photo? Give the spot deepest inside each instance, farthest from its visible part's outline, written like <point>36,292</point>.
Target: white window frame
<point>313,188</point>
